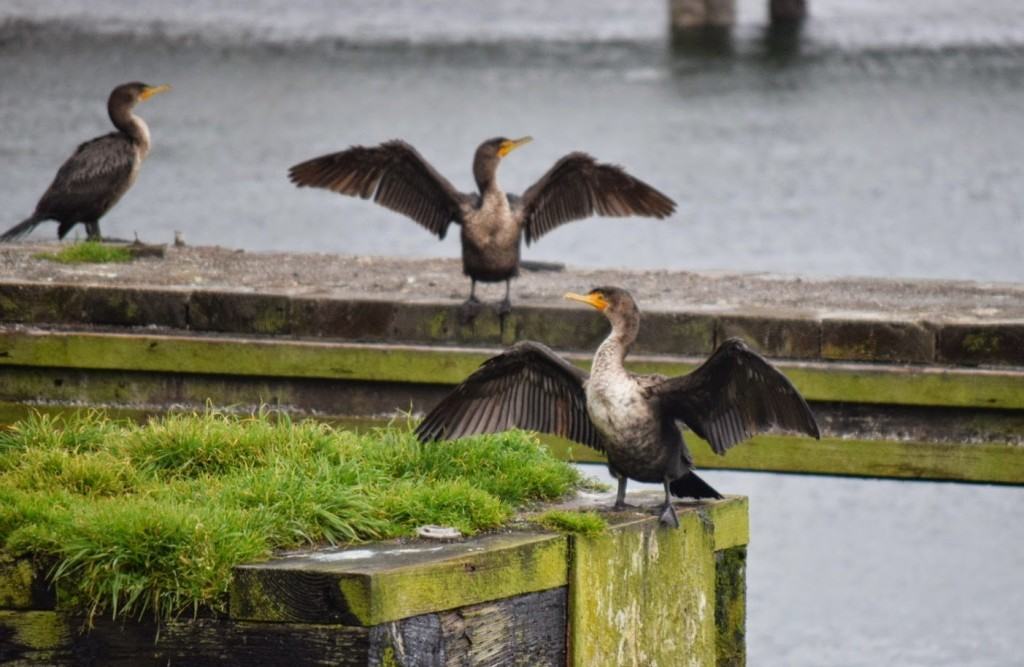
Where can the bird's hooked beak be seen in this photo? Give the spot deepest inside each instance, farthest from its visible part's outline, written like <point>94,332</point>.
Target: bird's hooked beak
<point>594,299</point>
<point>510,145</point>
<point>150,91</point>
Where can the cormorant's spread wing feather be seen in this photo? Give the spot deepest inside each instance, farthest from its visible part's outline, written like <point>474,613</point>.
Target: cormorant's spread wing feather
<point>527,386</point>
<point>578,187</point>
<point>733,395</point>
<point>98,169</point>
<point>395,175</point>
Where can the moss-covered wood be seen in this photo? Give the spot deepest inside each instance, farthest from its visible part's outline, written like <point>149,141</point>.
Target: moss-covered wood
<point>56,639</point>
<point>23,585</point>
<point>990,463</point>
<point>900,385</point>
<point>643,596</point>
<point>522,630</point>
<point>385,582</point>
<point>635,594</point>
<point>731,606</point>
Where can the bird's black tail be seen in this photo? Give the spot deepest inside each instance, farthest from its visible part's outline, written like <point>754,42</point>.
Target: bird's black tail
<point>691,486</point>
<point>21,229</point>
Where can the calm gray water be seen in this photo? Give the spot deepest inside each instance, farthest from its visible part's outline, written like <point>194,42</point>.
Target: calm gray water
<point>886,141</point>
<point>876,572</point>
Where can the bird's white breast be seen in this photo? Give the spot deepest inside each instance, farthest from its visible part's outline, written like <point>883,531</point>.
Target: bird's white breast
<point>491,223</point>
<point>617,407</point>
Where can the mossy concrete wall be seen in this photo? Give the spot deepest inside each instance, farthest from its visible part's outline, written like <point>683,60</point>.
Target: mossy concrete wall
<point>417,301</point>
<point>637,594</point>
<point>909,379</point>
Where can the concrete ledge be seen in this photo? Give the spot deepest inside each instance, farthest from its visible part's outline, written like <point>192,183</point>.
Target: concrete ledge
<point>416,301</point>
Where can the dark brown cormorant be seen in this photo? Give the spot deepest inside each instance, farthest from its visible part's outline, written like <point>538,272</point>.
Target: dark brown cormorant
<point>632,418</point>
<point>99,172</point>
<point>493,223</point>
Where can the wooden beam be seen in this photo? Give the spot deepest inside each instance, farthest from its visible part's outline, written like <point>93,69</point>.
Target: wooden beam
<point>277,357</point>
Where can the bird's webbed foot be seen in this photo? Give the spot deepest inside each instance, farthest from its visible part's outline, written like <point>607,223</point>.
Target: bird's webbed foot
<point>469,310</point>
<point>505,307</point>
<point>668,516</point>
<point>621,506</point>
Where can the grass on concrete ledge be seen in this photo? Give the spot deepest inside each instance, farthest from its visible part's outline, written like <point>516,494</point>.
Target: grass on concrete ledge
<point>87,252</point>
<point>150,519</point>
<point>577,523</point>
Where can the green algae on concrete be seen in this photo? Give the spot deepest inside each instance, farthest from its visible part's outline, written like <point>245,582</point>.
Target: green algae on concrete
<point>642,595</point>
<point>877,340</point>
<point>575,523</point>
<point>973,344</point>
<point>87,252</point>
<point>386,582</point>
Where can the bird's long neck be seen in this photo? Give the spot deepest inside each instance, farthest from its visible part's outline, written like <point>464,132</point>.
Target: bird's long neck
<point>123,119</point>
<point>484,172</point>
<point>611,354</point>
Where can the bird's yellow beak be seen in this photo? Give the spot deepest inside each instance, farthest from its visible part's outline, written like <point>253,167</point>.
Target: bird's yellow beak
<point>511,144</point>
<point>594,299</point>
<point>150,91</point>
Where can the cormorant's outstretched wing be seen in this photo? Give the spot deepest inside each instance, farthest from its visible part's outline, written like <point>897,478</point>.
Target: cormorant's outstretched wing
<point>578,187</point>
<point>395,175</point>
<point>527,386</point>
<point>733,395</point>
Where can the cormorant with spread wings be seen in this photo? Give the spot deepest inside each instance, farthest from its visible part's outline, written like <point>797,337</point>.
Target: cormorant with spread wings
<point>733,395</point>
<point>492,223</point>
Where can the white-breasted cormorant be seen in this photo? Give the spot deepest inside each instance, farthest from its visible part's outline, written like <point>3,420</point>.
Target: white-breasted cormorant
<point>493,223</point>
<point>733,395</point>
<point>99,172</point>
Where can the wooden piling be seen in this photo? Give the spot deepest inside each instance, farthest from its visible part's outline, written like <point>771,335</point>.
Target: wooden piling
<point>638,594</point>
<point>690,14</point>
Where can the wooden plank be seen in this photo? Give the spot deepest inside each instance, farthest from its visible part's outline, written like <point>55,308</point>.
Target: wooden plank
<point>35,638</point>
<point>988,463</point>
<point>386,581</point>
<point>864,383</point>
<point>523,630</point>
<point>55,639</point>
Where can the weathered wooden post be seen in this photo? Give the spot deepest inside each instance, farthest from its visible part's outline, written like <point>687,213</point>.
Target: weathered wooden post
<point>787,11</point>
<point>638,594</point>
<point>687,14</point>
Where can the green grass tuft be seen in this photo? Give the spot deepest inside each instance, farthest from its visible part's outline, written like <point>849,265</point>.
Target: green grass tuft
<point>87,252</point>
<point>150,518</point>
<point>578,523</point>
